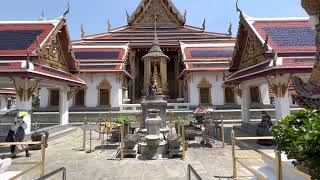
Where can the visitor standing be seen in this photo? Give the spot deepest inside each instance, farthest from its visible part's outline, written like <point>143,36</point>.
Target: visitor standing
<point>18,130</point>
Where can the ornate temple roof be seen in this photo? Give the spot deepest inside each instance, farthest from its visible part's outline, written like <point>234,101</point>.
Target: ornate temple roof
<point>206,57</point>
<point>171,33</point>
<point>141,37</point>
<point>164,10</point>
<point>155,51</point>
<point>20,38</point>
<point>271,45</point>
<point>285,35</point>
<point>39,49</point>
<point>102,58</point>
<point>13,68</point>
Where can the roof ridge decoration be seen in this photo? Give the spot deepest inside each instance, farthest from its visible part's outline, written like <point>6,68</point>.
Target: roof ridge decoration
<point>155,50</point>
<point>166,11</point>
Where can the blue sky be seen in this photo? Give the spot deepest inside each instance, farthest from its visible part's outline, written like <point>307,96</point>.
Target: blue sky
<point>93,14</point>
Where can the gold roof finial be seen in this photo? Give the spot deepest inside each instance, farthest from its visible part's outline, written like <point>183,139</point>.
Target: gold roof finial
<point>82,33</point>
<point>230,29</point>
<point>109,25</point>
<point>67,11</point>
<point>204,24</point>
<point>128,16</point>
<point>185,16</point>
<point>42,18</point>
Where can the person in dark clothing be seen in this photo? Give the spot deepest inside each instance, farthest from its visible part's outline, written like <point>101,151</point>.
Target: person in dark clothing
<point>17,134</point>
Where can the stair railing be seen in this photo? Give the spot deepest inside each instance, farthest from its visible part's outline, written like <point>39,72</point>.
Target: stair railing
<point>62,169</point>
<point>35,164</point>
<point>194,172</point>
<point>276,159</point>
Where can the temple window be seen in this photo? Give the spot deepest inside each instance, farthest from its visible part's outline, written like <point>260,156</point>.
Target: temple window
<point>54,97</point>
<point>204,92</point>
<point>79,98</point>
<point>104,92</point>
<point>229,96</point>
<point>255,94</point>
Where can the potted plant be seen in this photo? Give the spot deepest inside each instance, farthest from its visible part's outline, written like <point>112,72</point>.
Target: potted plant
<point>37,136</point>
<point>125,120</point>
<point>298,135</point>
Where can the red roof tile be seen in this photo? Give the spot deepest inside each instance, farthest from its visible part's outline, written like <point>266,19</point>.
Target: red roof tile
<point>7,91</point>
<point>35,34</point>
<point>13,69</point>
<point>287,35</point>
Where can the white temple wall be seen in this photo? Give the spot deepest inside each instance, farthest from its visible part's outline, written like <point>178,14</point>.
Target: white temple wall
<point>217,90</point>
<point>44,97</point>
<point>93,81</point>
<point>264,93</point>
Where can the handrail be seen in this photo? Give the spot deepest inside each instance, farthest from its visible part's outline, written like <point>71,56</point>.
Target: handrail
<point>276,159</point>
<point>35,164</point>
<point>194,172</point>
<point>62,169</point>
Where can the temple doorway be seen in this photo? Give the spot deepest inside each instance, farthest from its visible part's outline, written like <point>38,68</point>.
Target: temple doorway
<point>172,76</point>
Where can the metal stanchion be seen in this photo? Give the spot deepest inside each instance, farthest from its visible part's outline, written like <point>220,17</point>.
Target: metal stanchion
<point>43,155</point>
<point>278,164</point>
<point>122,141</point>
<point>170,121</point>
<point>183,143</point>
<point>222,133</point>
<point>234,165</point>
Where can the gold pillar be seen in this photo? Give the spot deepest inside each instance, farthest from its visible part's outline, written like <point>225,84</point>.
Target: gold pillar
<point>163,69</point>
<point>147,75</point>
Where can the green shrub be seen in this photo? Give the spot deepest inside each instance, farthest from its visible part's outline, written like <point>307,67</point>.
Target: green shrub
<point>124,119</point>
<point>298,135</point>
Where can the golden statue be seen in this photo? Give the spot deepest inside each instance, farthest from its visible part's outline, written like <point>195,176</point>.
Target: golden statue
<point>157,78</point>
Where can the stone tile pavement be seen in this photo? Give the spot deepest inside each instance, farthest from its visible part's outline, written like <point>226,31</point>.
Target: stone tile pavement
<point>210,163</point>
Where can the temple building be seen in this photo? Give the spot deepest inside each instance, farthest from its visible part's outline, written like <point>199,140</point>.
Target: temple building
<point>37,55</point>
<point>268,53</point>
<point>117,71</point>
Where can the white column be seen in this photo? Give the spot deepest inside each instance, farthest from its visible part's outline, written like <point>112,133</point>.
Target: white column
<point>264,93</point>
<point>25,106</point>
<point>63,106</point>
<point>3,103</point>
<point>245,103</point>
<point>282,105</point>
<point>238,99</point>
<point>44,97</point>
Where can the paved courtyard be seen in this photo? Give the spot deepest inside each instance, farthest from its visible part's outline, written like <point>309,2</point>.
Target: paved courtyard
<point>210,163</point>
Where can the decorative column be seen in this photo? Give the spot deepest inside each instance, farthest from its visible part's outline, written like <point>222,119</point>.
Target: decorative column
<point>44,97</point>
<point>146,79</point>
<point>279,86</point>
<point>63,105</point>
<point>3,103</point>
<point>264,92</point>
<point>245,103</point>
<point>163,67</point>
<point>25,88</point>
<point>282,106</point>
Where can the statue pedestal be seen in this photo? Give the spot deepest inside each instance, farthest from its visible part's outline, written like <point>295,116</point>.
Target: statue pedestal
<point>153,122</point>
<point>154,102</point>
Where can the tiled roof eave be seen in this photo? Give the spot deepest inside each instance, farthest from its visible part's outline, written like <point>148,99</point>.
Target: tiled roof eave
<point>268,71</point>
<point>18,72</point>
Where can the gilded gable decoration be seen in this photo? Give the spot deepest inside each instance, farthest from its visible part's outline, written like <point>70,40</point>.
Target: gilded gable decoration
<point>167,13</point>
<point>53,56</point>
<point>104,84</point>
<point>254,51</point>
<point>204,83</point>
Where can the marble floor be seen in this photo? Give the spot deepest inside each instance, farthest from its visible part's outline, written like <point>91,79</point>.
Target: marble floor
<point>210,163</point>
